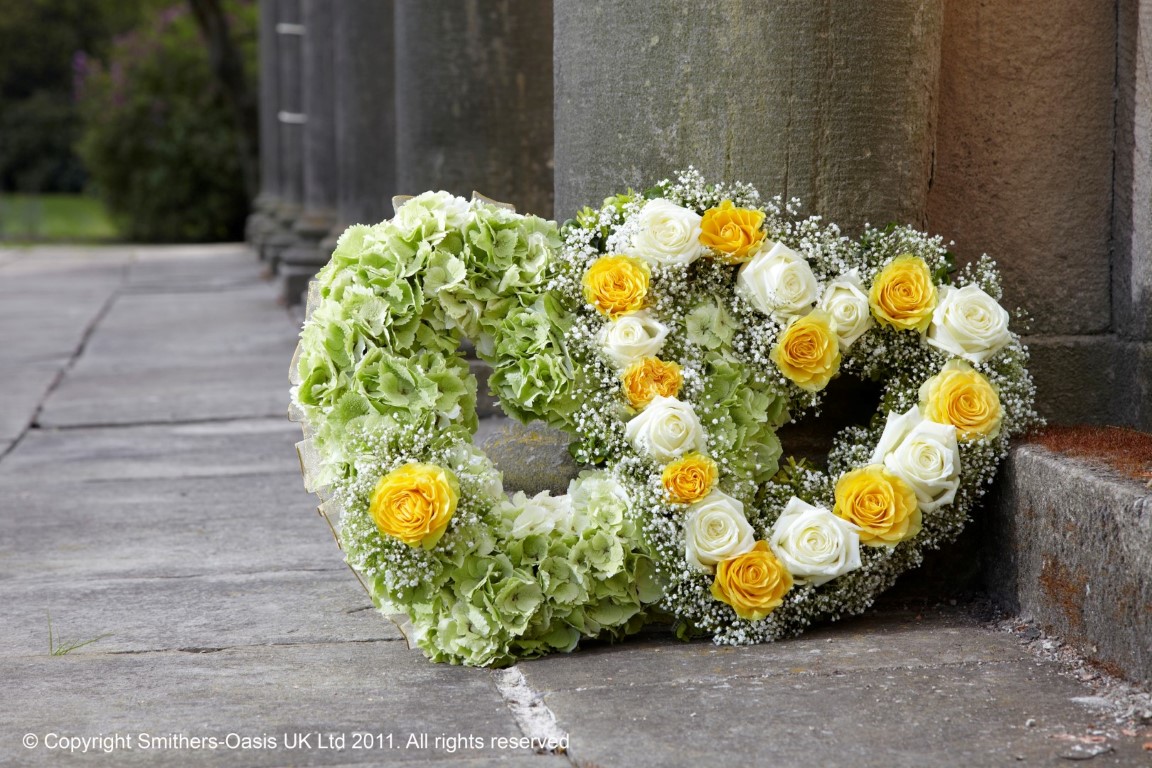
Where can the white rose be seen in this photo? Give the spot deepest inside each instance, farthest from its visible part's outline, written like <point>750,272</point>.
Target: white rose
<point>666,429</point>
<point>813,544</point>
<point>779,283</point>
<point>631,337</point>
<point>540,514</point>
<point>845,300</point>
<point>968,323</point>
<point>668,234</point>
<point>923,454</point>
<point>715,529</point>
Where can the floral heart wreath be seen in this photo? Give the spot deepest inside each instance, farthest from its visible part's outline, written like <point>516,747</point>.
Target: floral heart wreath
<point>670,334</point>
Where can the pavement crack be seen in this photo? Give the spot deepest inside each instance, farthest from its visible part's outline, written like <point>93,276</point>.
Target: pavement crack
<point>361,609</point>
<point>70,363</point>
<point>277,417</point>
<point>532,715</point>
<point>197,649</point>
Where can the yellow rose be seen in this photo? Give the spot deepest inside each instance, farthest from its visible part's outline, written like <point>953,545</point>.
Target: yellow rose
<point>690,478</point>
<point>880,503</point>
<point>903,294</point>
<point>733,233</point>
<point>960,395</point>
<point>753,583</point>
<point>648,377</point>
<point>414,503</point>
<point>808,352</point>
<point>617,285</point>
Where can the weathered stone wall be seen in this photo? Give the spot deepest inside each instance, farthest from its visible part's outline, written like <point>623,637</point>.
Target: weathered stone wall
<point>1039,163</point>
<point>833,104</point>
<point>1132,212</point>
<point>474,100</point>
<point>365,96</point>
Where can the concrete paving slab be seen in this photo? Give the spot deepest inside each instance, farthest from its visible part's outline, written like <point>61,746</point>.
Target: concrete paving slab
<point>33,330</point>
<point>514,761</point>
<point>209,612</point>
<point>193,326</point>
<point>168,528</point>
<point>91,396</point>
<point>9,255</point>
<point>888,640</point>
<point>65,270</point>
<point>179,357</point>
<point>172,269</point>
<point>967,714</point>
<point>210,449</point>
<point>369,688</point>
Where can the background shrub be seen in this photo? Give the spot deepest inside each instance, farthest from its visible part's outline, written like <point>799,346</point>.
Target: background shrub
<point>158,141</point>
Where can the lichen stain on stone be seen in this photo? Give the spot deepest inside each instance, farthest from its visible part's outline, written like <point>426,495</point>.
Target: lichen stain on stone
<point>1066,591</point>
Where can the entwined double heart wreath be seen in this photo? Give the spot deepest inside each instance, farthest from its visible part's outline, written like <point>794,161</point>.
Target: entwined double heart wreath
<point>670,334</point>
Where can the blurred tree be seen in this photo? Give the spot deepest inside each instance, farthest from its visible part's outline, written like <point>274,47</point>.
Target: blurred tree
<point>227,64</point>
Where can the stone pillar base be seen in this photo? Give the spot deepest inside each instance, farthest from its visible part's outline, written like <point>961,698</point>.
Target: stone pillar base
<point>261,224</point>
<point>281,236</point>
<point>300,261</point>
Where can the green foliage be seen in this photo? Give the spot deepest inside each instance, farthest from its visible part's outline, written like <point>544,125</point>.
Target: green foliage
<point>159,141</point>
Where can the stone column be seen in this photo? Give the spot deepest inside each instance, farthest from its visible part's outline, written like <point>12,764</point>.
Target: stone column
<point>365,113</point>
<point>474,99</point>
<point>1024,173</point>
<point>261,223</point>
<point>830,102</point>
<point>289,131</point>
<point>301,261</point>
<point>1132,212</point>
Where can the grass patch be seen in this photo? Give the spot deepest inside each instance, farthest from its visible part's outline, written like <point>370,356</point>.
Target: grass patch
<point>54,219</point>
<point>58,647</point>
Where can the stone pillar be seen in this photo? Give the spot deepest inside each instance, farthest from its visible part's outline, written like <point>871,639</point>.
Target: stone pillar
<point>831,102</point>
<point>474,99</point>
<point>365,113</point>
<point>1132,212</point>
<point>289,131</point>
<point>261,223</point>
<point>1024,173</point>
<point>301,261</point>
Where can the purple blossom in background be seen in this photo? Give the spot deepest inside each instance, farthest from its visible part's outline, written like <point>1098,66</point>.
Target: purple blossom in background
<point>81,66</point>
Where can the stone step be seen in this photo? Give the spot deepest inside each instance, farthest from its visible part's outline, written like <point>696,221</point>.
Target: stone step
<point>1070,542</point>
